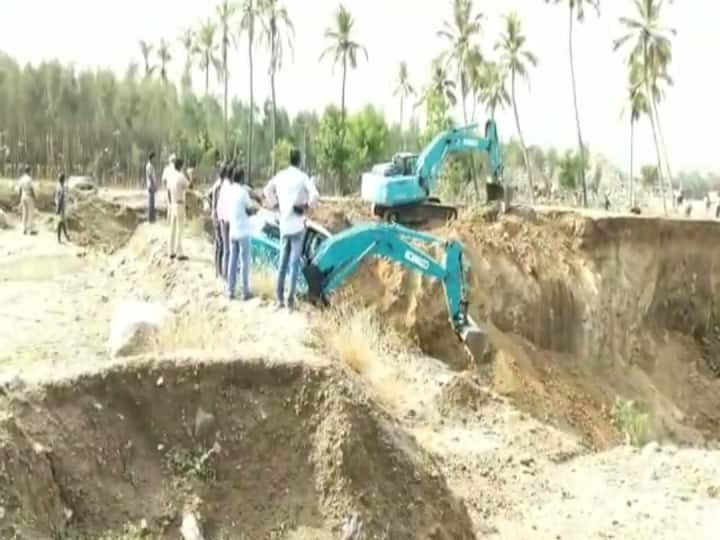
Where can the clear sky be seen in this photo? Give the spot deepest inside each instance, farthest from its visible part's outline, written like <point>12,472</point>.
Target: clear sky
<point>105,33</point>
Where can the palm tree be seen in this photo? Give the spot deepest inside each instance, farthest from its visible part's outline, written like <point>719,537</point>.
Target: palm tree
<point>187,40</point>
<point>343,49</point>
<point>516,59</point>
<point>208,49</point>
<point>638,106</point>
<point>275,18</point>
<point>463,53</point>
<point>577,12</point>
<point>146,50</point>
<point>225,12</point>
<point>403,89</point>
<point>164,56</point>
<point>653,49</point>
<point>492,89</point>
<point>250,11</point>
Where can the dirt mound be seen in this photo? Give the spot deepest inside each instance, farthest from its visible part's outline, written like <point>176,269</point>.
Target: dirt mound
<point>258,451</point>
<point>101,224</point>
<point>463,394</point>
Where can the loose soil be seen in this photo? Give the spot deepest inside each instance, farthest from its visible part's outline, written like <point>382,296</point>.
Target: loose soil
<point>581,310</point>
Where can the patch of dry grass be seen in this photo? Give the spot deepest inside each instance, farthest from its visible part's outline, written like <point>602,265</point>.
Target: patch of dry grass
<point>262,282</point>
<point>358,336</point>
<point>192,328</point>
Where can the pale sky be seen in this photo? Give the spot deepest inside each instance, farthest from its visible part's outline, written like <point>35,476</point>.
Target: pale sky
<point>93,33</point>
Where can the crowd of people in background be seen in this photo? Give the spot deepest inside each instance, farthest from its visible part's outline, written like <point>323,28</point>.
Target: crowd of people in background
<point>232,200</point>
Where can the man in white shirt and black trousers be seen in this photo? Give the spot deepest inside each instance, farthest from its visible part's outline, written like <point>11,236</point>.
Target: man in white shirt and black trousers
<point>293,192</point>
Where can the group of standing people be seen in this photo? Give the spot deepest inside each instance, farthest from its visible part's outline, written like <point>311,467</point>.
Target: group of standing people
<point>28,204</point>
<point>176,185</point>
<point>232,200</point>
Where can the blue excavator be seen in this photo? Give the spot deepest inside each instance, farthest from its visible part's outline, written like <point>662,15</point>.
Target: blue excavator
<point>400,191</point>
<point>329,260</point>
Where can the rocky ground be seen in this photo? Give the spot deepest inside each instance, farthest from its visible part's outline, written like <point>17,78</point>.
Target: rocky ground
<point>404,445</point>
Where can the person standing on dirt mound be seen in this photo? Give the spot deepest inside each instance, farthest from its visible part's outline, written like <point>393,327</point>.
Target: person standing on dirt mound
<point>224,219</point>
<point>27,200</point>
<point>238,210</point>
<point>213,195</point>
<point>167,174</point>
<point>151,186</point>
<point>292,191</point>
<point>60,205</point>
<point>177,187</point>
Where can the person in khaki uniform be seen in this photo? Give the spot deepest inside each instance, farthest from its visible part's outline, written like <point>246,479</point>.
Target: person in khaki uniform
<point>27,201</point>
<point>178,185</point>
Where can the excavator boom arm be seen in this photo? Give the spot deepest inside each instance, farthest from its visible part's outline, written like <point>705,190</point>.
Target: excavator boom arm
<point>340,255</point>
<point>463,139</point>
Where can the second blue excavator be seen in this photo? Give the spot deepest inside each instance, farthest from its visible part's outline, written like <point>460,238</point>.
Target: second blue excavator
<point>400,191</point>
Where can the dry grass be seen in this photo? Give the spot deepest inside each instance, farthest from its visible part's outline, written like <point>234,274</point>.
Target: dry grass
<point>192,328</point>
<point>262,282</point>
<point>357,336</point>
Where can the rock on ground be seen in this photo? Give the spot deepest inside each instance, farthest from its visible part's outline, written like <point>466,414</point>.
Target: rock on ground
<point>133,325</point>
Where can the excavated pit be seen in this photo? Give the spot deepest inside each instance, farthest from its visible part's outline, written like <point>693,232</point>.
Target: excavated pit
<point>257,450</point>
<point>581,311</point>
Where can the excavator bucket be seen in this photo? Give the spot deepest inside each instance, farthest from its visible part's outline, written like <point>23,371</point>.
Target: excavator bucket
<point>475,340</point>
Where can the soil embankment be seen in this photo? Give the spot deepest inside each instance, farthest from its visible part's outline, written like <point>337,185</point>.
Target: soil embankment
<point>257,451</point>
<point>582,311</point>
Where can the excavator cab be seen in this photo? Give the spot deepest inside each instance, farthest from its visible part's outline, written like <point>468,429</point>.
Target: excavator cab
<point>403,164</point>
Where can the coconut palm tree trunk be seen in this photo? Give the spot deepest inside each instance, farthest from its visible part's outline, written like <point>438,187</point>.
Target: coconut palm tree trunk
<point>654,129</point>
<point>251,119</point>
<point>632,157</point>
<point>526,156</point>
<point>225,96</point>
<point>402,133</point>
<point>273,63</point>
<point>463,91</point>
<point>207,74</point>
<point>341,180</point>
<point>577,110</point>
<point>663,149</point>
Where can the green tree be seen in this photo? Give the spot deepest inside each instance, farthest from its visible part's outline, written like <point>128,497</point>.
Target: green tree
<point>440,85</point>
<point>208,51</point>
<point>516,58</point>
<point>225,13</point>
<point>577,12</point>
<point>649,174</point>
<point>332,150</point>
<point>281,153</point>
<point>460,34</point>
<point>652,49</point>
<point>188,43</point>
<point>404,89</point>
<point>250,13</point>
<point>493,87</point>
<point>343,48</point>
<point>368,137</point>
<point>146,50</point>
<point>277,23</point>
<point>164,57</point>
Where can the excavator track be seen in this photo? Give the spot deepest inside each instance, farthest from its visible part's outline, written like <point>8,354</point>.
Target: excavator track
<point>417,214</point>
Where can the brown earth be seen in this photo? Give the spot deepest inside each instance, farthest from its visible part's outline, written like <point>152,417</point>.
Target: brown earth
<point>579,310</point>
<point>260,451</point>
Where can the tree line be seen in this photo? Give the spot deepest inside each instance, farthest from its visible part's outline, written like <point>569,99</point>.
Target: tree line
<point>95,121</point>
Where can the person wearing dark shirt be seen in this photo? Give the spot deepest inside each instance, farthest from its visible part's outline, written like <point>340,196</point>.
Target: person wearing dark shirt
<point>60,207</point>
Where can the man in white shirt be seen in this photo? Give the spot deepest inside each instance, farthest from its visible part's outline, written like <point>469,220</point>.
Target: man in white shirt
<point>177,188</point>
<point>293,192</point>
<point>151,186</point>
<point>167,174</point>
<point>224,219</point>
<point>27,200</point>
<point>237,204</point>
